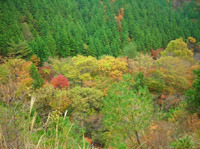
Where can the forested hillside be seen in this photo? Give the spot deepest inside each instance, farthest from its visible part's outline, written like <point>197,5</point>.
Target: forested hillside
<point>70,27</point>
<point>99,74</point>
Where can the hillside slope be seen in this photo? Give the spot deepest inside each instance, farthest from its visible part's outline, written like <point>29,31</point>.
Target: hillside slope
<point>70,27</point>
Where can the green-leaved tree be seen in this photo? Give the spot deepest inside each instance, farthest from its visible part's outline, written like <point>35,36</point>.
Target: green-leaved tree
<point>37,79</point>
<point>128,110</point>
<point>193,95</point>
<point>19,50</point>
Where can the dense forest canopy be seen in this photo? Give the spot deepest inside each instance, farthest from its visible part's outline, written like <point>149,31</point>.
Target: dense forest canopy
<point>94,74</point>
<point>97,27</point>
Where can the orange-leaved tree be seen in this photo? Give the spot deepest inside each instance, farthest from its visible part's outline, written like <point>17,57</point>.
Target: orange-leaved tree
<point>35,60</point>
<point>15,79</point>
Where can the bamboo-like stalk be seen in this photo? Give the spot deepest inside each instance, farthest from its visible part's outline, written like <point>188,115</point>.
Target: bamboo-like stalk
<point>32,103</point>
<point>2,139</point>
<point>39,142</point>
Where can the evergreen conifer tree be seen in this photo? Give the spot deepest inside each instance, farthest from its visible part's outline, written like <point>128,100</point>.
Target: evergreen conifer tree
<point>19,50</point>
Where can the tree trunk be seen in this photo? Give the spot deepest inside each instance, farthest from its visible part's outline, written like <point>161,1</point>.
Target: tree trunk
<point>138,138</point>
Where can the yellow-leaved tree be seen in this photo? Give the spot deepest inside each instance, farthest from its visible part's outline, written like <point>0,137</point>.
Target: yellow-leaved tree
<point>109,66</point>
<point>178,48</point>
<point>77,69</point>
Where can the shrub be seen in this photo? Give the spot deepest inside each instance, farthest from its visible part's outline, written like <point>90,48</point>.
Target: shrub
<point>185,142</point>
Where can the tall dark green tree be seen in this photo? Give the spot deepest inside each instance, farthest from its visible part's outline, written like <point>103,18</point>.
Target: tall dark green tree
<point>40,49</point>
<point>193,95</point>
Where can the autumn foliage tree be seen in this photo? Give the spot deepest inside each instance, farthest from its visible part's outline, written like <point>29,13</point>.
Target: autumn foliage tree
<point>156,53</point>
<point>141,63</point>
<point>169,75</point>
<point>178,48</point>
<point>77,69</point>
<point>109,66</point>
<point>119,18</point>
<point>60,81</point>
<point>35,60</point>
<point>84,102</point>
<point>15,79</point>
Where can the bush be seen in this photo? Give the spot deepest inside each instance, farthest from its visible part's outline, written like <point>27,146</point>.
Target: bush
<point>20,127</point>
<point>183,143</point>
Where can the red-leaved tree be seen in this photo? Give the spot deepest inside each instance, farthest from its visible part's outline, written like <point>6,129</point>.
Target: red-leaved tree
<point>60,81</point>
<point>156,53</point>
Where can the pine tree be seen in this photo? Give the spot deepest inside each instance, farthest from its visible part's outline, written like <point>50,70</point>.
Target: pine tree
<point>51,44</point>
<point>40,49</point>
<point>19,50</point>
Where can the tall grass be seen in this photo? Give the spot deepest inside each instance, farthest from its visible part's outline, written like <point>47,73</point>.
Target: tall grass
<point>21,127</point>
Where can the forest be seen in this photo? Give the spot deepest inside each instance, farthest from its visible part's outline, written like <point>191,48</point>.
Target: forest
<point>113,74</point>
